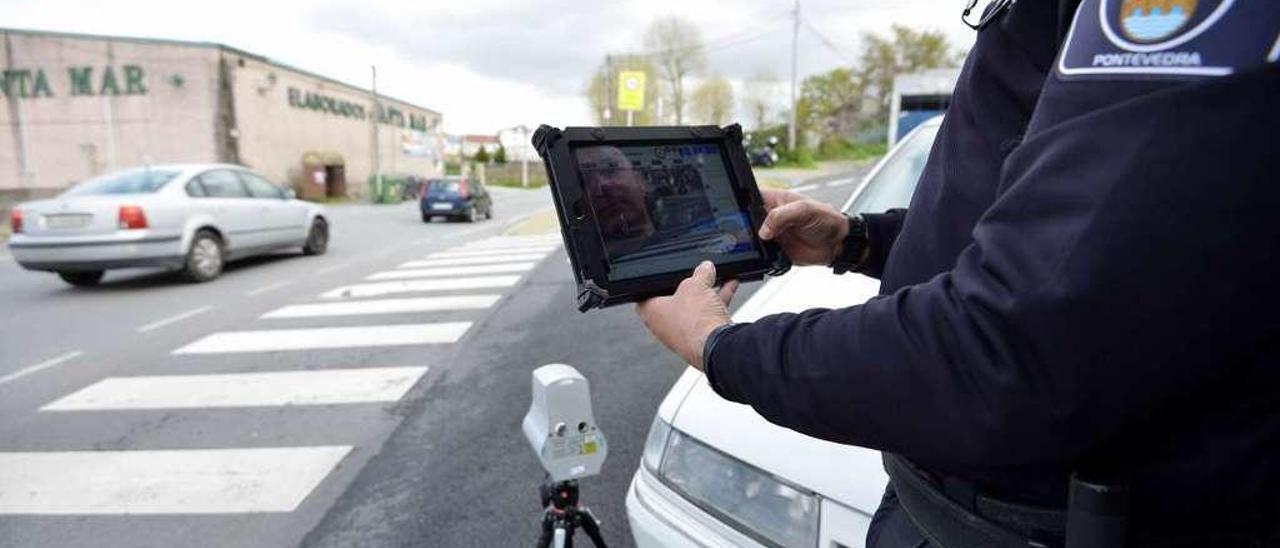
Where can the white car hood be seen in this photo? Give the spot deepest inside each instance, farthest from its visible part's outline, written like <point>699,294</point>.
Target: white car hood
<point>850,475</point>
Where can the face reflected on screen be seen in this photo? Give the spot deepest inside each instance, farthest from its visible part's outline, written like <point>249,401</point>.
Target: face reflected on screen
<point>618,195</point>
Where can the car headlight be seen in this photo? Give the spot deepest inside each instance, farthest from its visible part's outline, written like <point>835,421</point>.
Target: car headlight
<point>752,500</point>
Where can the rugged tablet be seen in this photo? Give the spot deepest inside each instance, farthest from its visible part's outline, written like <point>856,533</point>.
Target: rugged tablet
<point>640,207</point>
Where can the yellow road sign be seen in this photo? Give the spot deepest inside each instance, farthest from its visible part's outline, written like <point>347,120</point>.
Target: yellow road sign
<point>631,90</point>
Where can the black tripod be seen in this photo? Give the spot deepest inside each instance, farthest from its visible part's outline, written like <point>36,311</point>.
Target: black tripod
<point>562,516</point>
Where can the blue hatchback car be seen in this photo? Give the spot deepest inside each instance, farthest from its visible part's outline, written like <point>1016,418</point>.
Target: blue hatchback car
<point>455,198</point>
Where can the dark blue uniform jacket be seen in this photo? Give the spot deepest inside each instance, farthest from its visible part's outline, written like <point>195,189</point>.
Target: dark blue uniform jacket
<point>1089,273</point>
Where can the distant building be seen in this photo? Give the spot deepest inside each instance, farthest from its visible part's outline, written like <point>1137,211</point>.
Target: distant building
<point>74,106</point>
<point>918,97</point>
<point>471,144</point>
<point>517,144</point>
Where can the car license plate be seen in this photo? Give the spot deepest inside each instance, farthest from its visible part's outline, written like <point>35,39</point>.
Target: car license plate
<point>442,206</point>
<point>67,221</point>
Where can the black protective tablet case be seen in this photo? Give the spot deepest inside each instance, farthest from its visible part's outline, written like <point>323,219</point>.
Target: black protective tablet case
<point>596,272</point>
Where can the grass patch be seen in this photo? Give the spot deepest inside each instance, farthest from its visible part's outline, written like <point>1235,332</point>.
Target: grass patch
<point>509,182</point>
<point>848,150</point>
<point>772,182</point>
<point>4,233</point>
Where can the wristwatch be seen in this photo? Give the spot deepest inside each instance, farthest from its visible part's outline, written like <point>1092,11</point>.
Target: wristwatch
<point>854,248</point>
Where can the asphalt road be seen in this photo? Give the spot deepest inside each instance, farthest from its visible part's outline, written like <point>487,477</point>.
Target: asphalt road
<point>457,472</point>
<point>152,412</point>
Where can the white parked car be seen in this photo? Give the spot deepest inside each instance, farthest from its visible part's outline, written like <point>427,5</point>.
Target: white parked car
<point>188,217</point>
<point>714,473</point>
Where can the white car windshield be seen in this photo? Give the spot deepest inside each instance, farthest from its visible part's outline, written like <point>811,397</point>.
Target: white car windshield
<point>142,181</point>
<point>893,185</point>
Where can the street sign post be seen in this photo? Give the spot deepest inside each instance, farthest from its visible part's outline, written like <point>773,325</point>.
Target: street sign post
<point>631,92</point>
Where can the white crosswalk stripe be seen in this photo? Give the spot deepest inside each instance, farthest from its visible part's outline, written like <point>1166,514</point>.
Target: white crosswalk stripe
<point>183,481</point>
<point>322,387</point>
<point>385,306</point>
<point>327,338</point>
<point>465,261</point>
<point>442,272</point>
<point>490,252</point>
<point>202,480</point>
<point>376,289</point>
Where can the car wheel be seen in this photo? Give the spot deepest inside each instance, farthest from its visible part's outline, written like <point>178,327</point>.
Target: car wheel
<point>317,238</point>
<point>426,218</point>
<point>471,215</point>
<point>82,279</point>
<point>204,259</point>
<point>488,214</point>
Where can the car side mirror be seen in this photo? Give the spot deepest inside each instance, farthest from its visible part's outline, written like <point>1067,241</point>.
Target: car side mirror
<point>289,194</point>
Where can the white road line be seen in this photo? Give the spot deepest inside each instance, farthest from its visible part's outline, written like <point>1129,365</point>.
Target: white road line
<point>376,289</point>
<point>384,306</point>
<point>327,337</point>
<point>174,319</point>
<point>462,261</point>
<point>840,182</point>
<point>196,481</point>
<point>40,366</point>
<point>502,268</point>
<point>489,252</point>
<point>267,288</point>
<point>321,387</point>
<point>332,268</point>
<point>512,242</point>
<point>804,188</point>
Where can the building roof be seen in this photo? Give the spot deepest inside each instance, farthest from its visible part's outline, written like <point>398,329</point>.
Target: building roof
<point>480,138</point>
<point>206,45</point>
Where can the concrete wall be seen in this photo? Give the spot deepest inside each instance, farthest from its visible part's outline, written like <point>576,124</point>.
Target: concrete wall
<point>277,127</point>
<point>57,134</point>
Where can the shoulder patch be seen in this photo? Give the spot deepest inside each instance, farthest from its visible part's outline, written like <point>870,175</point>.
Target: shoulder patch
<point>1147,39</point>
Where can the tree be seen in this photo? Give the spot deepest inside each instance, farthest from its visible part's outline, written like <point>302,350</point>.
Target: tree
<point>712,101</point>
<point>601,91</point>
<point>831,104</point>
<point>760,98</point>
<point>482,155</point>
<point>839,103</point>
<point>675,46</point>
<point>903,52</point>
<point>500,157</point>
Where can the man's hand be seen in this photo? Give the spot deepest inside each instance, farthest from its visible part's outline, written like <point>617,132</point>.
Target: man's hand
<point>683,321</point>
<point>809,231</point>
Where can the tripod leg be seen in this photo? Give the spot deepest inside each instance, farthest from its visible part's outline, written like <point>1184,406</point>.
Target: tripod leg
<point>548,523</point>
<point>589,524</point>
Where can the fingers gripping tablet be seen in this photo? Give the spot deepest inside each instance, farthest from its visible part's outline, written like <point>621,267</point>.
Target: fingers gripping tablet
<point>640,207</point>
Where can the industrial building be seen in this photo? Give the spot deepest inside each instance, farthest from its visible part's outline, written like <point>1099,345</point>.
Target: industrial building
<point>76,105</point>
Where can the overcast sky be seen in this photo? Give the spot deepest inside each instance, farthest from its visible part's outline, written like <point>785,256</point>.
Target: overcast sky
<point>491,64</point>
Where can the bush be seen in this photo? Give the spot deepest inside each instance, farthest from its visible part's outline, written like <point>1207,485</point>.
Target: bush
<point>839,149</point>
<point>801,157</point>
<point>482,156</point>
<point>500,157</point>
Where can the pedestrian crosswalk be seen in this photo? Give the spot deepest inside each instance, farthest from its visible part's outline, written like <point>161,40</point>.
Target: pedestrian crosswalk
<point>442,294</point>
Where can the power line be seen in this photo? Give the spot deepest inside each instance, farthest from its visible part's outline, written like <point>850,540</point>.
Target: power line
<point>827,42</point>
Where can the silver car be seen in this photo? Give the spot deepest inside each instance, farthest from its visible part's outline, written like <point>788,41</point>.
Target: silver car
<point>188,217</point>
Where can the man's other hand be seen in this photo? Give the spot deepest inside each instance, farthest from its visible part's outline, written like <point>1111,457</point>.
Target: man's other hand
<point>809,231</point>
<point>684,320</point>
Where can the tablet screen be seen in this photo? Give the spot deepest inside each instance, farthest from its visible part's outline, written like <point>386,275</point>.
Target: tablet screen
<point>664,208</point>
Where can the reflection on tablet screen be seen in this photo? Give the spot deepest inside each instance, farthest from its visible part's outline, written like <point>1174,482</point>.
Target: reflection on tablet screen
<point>664,208</point>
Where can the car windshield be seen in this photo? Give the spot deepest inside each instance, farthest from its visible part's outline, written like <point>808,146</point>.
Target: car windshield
<point>893,185</point>
<point>142,181</point>
<point>442,185</point>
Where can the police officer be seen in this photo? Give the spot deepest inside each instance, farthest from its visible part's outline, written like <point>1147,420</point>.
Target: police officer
<point>1077,340</point>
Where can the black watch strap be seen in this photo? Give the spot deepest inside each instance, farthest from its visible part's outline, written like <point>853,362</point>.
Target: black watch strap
<point>853,250</point>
